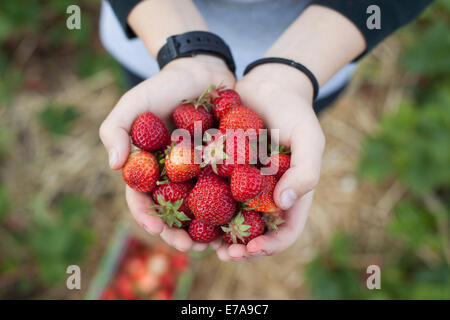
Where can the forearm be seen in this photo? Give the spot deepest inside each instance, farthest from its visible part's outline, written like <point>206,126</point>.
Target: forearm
<point>154,21</point>
<point>321,39</point>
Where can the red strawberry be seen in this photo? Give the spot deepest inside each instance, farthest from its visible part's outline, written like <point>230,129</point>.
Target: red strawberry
<point>141,171</point>
<point>186,115</point>
<point>163,294</point>
<point>211,200</point>
<point>224,153</point>
<point>246,226</point>
<point>241,118</point>
<point>246,182</point>
<point>180,164</point>
<point>281,162</point>
<point>225,101</point>
<point>149,133</point>
<point>263,202</point>
<point>273,220</point>
<point>179,261</point>
<point>206,171</point>
<point>171,200</point>
<point>225,170</point>
<point>108,294</point>
<point>125,288</point>
<point>203,232</point>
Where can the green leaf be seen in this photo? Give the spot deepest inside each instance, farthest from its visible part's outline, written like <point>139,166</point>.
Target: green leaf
<point>57,119</point>
<point>429,54</point>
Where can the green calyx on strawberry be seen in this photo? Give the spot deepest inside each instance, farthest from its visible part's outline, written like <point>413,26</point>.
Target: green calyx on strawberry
<point>170,212</point>
<point>237,229</point>
<point>171,202</point>
<point>204,100</point>
<point>214,151</point>
<point>273,220</point>
<point>245,226</point>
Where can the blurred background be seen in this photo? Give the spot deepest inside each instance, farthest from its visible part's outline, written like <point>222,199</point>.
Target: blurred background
<point>383,197</point>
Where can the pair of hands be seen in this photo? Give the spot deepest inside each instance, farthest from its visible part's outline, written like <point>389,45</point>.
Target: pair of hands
<point>281,95</point>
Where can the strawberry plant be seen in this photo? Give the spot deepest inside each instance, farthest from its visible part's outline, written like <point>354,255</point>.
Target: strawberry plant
<point>411,146</point>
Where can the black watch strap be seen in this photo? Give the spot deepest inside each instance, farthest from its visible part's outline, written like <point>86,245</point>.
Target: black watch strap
<point>192,43</point>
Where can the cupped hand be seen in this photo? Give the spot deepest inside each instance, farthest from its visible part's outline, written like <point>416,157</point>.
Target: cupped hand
<point>183,78</point>
<point>282,96</point>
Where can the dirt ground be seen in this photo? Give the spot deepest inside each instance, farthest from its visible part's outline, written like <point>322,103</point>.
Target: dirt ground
<point>78,163</point>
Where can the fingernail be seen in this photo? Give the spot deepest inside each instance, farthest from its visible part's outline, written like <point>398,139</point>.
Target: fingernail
<point>287,199</point>
<point>258,254</point>
<point>113,156</point>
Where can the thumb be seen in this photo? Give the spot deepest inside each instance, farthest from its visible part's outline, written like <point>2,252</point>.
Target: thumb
<point>117,143</point>
<point>294,183</point>
<point>304,173</point>
<point>114,131</point>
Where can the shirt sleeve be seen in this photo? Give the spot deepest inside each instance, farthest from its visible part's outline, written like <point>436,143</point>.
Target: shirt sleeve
<point>393,15</point>
<point>122,9</point>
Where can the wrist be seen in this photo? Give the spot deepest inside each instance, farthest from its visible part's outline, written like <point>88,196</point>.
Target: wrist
<point>281,77</point>
<point>203,69</point>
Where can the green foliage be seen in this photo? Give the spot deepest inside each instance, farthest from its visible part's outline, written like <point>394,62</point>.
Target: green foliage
<point>57,119</point>
<point>429,56</point>
<point>415,227</point>
<point>61,238</point>
<point>4,202</point>
<point>412,144</point>
<point>331,275</point>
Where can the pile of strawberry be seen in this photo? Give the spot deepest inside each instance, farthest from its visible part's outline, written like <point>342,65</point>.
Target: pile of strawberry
<point>208,198</point>
<point>146,273</point>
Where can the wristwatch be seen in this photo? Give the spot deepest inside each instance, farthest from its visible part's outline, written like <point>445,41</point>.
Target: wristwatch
<point>192,43</point>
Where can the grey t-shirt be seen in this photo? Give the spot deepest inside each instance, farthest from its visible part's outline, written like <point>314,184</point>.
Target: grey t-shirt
<point>249,27</point>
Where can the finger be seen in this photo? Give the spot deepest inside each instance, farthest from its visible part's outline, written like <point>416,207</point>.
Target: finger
<point>198,246</point>
<point>178,238</point>
<point>139,204</point>
<point>307,146</point>
<point>115,129</point>
<point>274,242</point>
<point>216,243</point>
<point>237,251</point>
<point>222,253</point>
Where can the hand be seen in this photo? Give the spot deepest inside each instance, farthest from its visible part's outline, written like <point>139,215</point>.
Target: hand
<point>183,78</point>
<point>282,96</point>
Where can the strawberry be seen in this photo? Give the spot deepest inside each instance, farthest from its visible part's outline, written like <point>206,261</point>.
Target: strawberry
<point>149,133</point>
<point>141,171</point>
<point>179,261</point>
<point>187,115</point>
<point>206,171</point>
<point>241,118</point>
<point>263,202</point>
<point>171,203</point>
<point>224,153</point>
<point>203,232</point>
<point>211,200</point>
<point>281,162</point>
<point>125,288</point>
<point>180,164</point>
<point>246,182</point>
<point>225,101</point>
<point>246,226</point>
<point>163,294</point>
<point>108,294</point>
<point>273,220</point>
